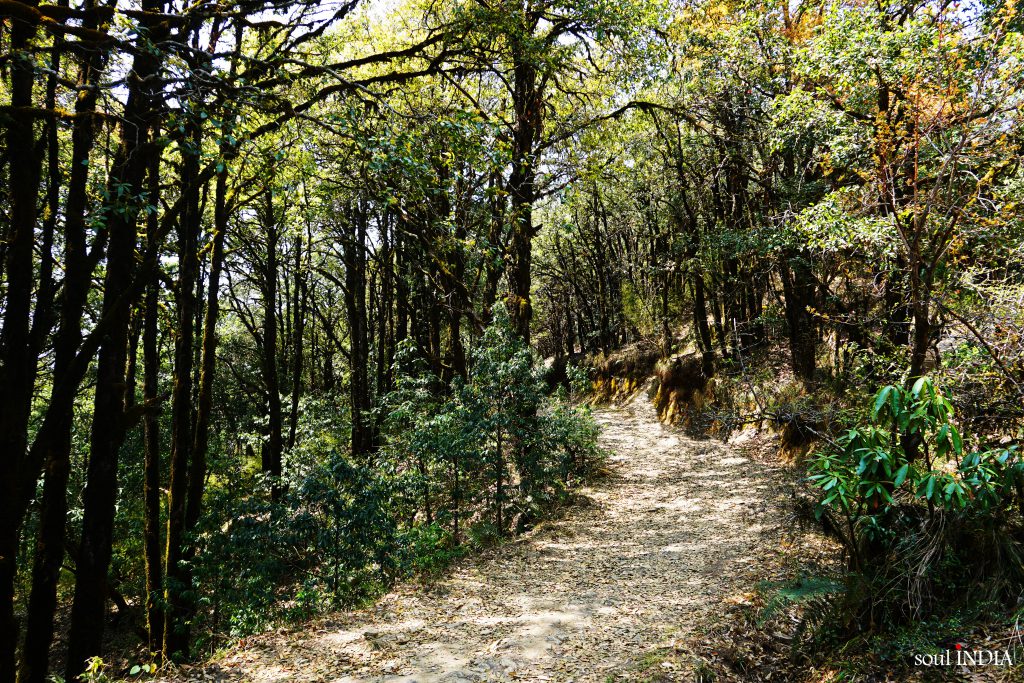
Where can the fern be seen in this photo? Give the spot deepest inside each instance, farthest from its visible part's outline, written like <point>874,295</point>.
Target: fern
<point>814,594</point>
<point>801,592</point>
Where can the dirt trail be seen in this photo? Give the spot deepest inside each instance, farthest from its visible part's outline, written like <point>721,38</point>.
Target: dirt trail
<point>671,536</point>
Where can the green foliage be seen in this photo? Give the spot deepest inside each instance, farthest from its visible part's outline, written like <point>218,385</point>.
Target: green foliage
<point>928,523</point>
<point>342,530</point>
<point>95,671</point>
<point>142,669</point>
<point>330,539</point>
<point>910,445</point>
<point>495,438</point>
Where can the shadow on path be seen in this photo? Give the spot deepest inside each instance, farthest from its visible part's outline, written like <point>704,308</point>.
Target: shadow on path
<point>670,536</point>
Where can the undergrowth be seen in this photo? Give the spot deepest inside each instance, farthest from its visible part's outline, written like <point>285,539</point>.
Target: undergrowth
<point>929,520</point>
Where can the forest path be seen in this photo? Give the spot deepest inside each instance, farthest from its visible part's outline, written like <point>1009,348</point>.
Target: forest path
<point>670,536</point>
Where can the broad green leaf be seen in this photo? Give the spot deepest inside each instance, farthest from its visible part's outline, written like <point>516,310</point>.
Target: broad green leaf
<point>901,475</point>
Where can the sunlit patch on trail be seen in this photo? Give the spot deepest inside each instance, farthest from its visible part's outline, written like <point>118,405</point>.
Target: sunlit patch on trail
<point>663,544</point>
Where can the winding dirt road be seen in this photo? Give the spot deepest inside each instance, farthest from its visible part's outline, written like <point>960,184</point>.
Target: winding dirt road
<point>665,541</point>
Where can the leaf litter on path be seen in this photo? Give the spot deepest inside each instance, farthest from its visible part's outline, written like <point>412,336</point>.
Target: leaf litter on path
<point>669,541</point>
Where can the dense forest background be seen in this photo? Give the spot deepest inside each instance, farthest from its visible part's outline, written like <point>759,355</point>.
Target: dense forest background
<point>300,297</point>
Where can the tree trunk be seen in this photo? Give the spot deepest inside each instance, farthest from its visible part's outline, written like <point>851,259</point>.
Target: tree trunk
<point>298,332</point>
<point>700,320</point>
<point>527,103</point>
<point>798,288</point>
<point>128,172</point>
<point>17,374</point>
<point>189,225</point>
<point>456,296</point>
<point>386,334</point>
<point>51,539</point>
<point>666,329</point>
<point>920,306</point>
<point>896,324</point>
<point>355,306</point>
<point>183,608</point>
<point>493,264</point>
<point>274,447</point>
<point>151,439</point>
<point>151,474</point>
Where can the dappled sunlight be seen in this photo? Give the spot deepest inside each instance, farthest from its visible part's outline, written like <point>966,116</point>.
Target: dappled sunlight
<point>667,542</point>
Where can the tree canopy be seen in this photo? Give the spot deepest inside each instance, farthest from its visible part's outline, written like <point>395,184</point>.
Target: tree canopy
<point>288,289</point>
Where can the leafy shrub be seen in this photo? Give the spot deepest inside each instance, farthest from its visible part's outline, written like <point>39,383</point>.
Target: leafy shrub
<point>329,539</point>
<point>430,548</point>
<point>496,446</point>
<point>927,522</point>
<point>458,468</point>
